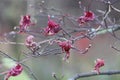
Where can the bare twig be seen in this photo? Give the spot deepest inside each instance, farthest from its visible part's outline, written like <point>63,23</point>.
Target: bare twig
<point>90,74</point>
<point>115,48</point>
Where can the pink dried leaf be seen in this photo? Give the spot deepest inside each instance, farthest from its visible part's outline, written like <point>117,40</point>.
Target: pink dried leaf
<point>98,64</point>
<point>66,46</point>
<point>88,16</point>
<point>30,43</point>
<point>15,71</point>
<point>24,23</point>
<point>52,27</point>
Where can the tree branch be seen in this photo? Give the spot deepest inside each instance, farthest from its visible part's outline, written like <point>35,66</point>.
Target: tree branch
<point>90,74</point>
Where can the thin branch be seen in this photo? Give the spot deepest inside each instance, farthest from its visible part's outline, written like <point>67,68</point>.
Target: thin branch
<point>90,74</point>
<point>13,43</point>
<point>31,72</point>
<point>4,54</point>
<point>115,48</point>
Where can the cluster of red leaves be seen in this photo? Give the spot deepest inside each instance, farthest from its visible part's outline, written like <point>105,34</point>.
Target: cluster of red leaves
<point>15,71</point>
<point>66,46</point>
<point>52,27</point>
<point>24,23</point>
<point>88,16</point>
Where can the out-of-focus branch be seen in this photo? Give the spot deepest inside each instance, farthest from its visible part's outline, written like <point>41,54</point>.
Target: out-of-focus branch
<point>90,74</point>
<point>30,7</point>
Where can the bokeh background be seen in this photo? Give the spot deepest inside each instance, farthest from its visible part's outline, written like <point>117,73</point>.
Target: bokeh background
<point>43,67</point>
